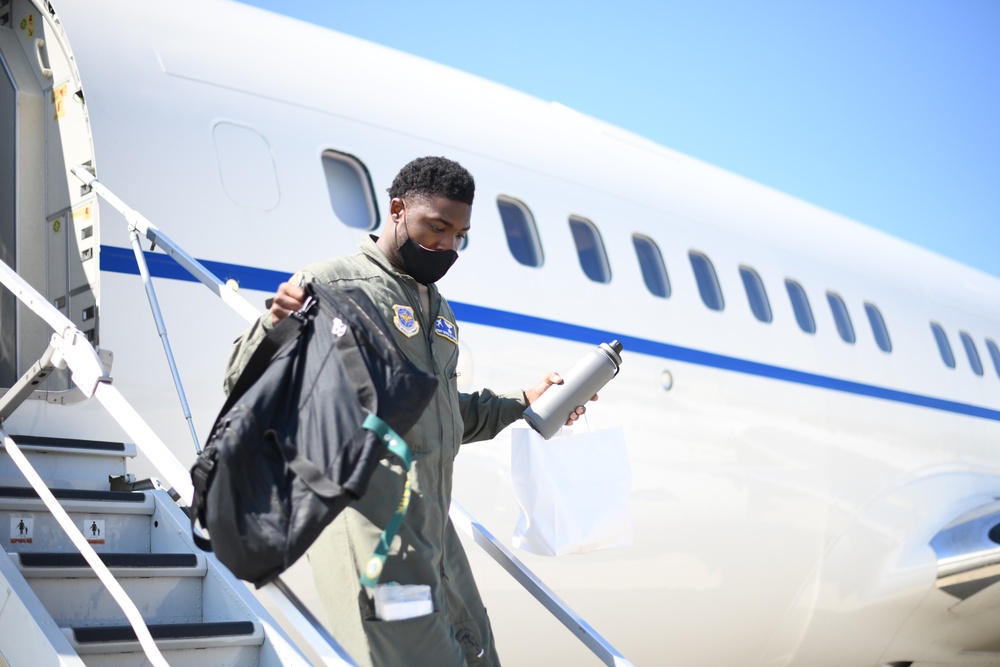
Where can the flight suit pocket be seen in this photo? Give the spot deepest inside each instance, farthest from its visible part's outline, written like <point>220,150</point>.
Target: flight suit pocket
<point>423,641</point>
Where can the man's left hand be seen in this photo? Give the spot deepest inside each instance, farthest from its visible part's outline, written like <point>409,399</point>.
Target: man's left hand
<point>532,395</point>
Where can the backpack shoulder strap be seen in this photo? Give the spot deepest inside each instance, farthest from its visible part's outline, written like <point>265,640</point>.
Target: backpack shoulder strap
<point>283,333</point>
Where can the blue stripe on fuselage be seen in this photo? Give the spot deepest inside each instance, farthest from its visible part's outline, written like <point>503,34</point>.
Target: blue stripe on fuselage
<point>121,260</point>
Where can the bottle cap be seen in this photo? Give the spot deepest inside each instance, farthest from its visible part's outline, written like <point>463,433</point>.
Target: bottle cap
<point>613,351</point>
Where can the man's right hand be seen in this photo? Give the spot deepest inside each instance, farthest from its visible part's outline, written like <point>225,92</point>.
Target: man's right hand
<point>288,299</point>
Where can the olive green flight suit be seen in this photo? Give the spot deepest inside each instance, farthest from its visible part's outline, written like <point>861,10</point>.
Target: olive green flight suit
<point>427,549</point>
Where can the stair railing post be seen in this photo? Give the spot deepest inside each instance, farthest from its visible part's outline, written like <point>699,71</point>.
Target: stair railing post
<point>161,329</point>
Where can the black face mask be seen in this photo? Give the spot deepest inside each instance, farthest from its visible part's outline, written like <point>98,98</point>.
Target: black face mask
<point>425,266</point>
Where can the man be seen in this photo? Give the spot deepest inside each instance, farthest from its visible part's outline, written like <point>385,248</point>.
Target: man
<point>429,215</point>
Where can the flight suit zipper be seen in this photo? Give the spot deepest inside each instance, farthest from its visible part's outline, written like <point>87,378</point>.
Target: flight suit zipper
<point>427,321</point>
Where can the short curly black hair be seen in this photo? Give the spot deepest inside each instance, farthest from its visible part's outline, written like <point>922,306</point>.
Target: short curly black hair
<point>434,177</point>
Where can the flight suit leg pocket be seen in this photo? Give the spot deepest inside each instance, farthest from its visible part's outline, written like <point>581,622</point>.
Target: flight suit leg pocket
<point>422,641</point>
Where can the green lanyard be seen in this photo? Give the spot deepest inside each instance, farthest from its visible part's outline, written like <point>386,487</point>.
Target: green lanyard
<point>398,446</point>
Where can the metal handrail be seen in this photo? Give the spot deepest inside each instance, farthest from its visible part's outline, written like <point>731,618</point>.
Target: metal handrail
<point>524,576</point>
<point>138,224</point>
<point>135,220</point>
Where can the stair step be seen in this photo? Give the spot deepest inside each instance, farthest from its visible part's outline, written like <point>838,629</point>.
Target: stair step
<point>139,560</point>
<point>168,636</point>
<point>113,521</point>
<point>73,564</point>
<point>124,633</point>
<point>228,655</point>
<point>166,588</point>
<point>38,442</point>
<point>74,494</point>
<point>143,538</point>
<point>67,462</point>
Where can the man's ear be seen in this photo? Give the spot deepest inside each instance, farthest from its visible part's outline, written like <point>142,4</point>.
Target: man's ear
<point>396,208</point>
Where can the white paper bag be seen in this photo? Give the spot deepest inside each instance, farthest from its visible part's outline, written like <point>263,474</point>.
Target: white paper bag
<point>573,490</point>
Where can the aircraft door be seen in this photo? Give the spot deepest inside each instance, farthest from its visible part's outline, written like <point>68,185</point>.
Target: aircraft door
<point>48,222</point>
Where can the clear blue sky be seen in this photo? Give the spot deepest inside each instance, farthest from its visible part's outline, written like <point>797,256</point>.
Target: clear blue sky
<point>886,111</point>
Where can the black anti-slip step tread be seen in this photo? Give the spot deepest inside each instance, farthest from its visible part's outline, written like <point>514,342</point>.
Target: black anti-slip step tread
<point>124,633</point>
<point>75,494</point>
<point>74,559</point>
<point>68,443</point>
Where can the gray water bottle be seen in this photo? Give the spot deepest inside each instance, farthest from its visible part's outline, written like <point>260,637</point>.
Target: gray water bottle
<point>547,414</point>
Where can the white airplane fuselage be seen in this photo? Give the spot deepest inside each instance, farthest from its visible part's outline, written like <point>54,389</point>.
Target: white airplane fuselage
<point>786,485</point>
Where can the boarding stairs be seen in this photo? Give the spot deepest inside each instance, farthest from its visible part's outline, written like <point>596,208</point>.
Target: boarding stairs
<point>102,568</point>
<point>59,610</point>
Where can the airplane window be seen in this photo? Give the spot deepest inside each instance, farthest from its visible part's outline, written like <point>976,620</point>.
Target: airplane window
<point>759,304</point>
<point>841,317</point>
<point>800,304</point>
<point>878,327</point>
<point>970,349</point>
<point>351,193</point>
<point>519,226</point>
<point>654,273</point>
<point>708,282</point>
<point>590,250</point>
<point>943,345</point>
<point>994,353</point>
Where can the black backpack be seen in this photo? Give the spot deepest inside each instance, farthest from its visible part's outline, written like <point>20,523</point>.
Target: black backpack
<point>302,431</point>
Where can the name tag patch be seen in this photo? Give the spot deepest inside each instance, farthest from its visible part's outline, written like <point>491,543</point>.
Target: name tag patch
<point>402,317</point>
<point>446,329</point>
